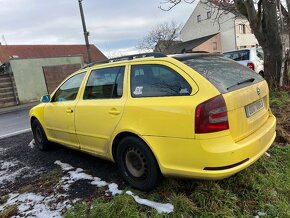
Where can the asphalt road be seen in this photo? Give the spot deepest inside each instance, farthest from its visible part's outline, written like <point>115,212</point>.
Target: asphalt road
<point>29,163</point>
<point>13,123</point>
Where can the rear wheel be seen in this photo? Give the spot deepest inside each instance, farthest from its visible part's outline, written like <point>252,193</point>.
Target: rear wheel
<point>137,164</point>
<point>39,135</point>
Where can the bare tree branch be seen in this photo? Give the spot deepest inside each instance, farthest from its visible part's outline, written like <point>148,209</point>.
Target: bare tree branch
<point>160,37</point>
<point>265,23</point>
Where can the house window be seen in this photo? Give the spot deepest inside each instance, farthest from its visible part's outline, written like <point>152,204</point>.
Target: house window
<point>198,18</point>
<point>242,28</point>
<point>208,15</point>
<point>214,46</point>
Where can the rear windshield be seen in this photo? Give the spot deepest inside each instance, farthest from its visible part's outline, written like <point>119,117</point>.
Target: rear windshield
<point>226,75</point>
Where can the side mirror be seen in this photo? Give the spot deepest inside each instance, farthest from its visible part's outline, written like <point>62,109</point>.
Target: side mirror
<point>45,99</point>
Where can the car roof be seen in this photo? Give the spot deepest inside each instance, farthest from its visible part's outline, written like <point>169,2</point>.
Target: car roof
<point>153,55</point>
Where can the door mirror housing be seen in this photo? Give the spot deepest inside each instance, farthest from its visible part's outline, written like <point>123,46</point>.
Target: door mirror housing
<point>45,99</point>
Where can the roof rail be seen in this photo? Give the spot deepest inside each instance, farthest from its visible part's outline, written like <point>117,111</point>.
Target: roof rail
<point>127,57</point>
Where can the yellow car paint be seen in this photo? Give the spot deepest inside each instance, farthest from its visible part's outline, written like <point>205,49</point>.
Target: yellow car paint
<point>166,124</point>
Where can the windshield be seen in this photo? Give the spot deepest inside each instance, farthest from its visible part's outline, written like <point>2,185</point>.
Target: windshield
<point>222,72</point>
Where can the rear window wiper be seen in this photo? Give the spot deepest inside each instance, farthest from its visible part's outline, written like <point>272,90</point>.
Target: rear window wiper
<point>242,82</point>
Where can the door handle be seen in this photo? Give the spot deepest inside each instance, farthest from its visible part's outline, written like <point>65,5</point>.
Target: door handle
<point>69,110</point>
<point>114,111</point>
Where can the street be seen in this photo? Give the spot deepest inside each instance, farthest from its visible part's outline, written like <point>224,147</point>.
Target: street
<point>13,123</point>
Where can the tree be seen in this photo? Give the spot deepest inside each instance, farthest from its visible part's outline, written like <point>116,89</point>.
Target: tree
<point>160,37</point>
<point>263,17</point>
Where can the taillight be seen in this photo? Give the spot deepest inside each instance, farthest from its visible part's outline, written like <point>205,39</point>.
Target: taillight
<point>211,116</point>
<point>251,66</point>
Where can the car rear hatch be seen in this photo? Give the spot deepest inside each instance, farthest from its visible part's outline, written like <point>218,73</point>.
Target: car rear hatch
<point>245,92</point>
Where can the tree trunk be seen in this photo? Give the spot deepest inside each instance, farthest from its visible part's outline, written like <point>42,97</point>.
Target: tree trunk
<point>266,30</point>
<point>272,65</point>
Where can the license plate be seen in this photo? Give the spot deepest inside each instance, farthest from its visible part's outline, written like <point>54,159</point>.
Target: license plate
<point>254,107</point>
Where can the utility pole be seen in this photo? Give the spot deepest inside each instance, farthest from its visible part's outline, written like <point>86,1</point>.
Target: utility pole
<point>86,33</point>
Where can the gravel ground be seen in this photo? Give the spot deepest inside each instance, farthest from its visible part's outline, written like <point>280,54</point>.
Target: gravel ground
<point>26,164</point>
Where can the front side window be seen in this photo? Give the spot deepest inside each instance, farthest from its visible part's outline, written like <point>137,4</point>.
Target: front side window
<point>156,81</point>
<point>69,89</point>
<point>105,83</point>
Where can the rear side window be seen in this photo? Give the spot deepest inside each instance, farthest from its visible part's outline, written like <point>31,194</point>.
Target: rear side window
<point>224,74</point>
<point>242,55</point>
<point>260,53</point>
<point>157,80</point>
<point>105,83</point>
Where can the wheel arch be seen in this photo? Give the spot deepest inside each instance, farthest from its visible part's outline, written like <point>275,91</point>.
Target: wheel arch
<point>32,118</point>
<point>124,134</point>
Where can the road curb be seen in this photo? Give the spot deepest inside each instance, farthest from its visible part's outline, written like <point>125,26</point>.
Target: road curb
<point>15,133</point>
<point>17,108</point>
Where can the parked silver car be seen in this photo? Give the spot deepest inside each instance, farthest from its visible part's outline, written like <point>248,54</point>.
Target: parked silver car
<point>250,57</point>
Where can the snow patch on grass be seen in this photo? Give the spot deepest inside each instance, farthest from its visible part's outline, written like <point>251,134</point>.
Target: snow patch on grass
<point>64,166</point>
<point>161,208</point>
<point>33,205</point>
<point>55,204</point>
<point>79,174</point>
<point>113,188</point>
<point>10,170</point>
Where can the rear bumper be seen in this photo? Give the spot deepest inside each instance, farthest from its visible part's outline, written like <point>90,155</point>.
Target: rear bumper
<point>214,158</point>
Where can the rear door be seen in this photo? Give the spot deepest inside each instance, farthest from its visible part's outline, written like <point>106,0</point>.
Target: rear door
<point>161,100</point>
<point>244,91</point>
<point>100,108</point>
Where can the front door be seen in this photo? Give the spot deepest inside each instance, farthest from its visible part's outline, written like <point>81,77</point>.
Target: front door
<point>59,113</point>
<point>99,111</point>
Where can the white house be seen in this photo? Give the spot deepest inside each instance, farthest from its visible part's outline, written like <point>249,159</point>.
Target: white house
<point>230,30</point>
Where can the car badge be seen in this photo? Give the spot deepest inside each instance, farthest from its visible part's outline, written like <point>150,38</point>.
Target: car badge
<point>258,91</point>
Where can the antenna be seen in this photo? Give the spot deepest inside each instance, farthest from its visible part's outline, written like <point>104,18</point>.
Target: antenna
<point>3,37</point>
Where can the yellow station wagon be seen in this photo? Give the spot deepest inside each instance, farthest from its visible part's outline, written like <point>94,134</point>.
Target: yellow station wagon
<point>188,115</point>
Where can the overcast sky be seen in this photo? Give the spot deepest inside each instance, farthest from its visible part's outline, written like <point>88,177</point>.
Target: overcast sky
<point>114,25</point>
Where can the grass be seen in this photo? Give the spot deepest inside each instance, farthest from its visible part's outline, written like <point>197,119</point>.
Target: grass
<point>44,184</point>
<point>279,98</point>
<point>9,212</point>
<point>264,187</point>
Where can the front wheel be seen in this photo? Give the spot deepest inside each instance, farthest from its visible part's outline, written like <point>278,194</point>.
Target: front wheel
<point>137,164</point>
<point>39,135</point>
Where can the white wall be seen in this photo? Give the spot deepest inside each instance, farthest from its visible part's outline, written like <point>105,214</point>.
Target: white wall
<point>226,26</point>
<point>248,39</point>
<point>29,78</point>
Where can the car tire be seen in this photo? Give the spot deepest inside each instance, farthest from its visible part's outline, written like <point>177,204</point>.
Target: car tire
<point>137,164</point>
<point>39,135</point>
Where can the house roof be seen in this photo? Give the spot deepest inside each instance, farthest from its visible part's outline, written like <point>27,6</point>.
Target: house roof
<point>48,51</point>
<point>188,45</point>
